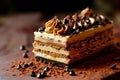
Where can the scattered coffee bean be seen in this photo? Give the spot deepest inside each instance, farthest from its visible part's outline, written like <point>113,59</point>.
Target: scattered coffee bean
<point>25,66</point>
<point>67,69</point>
<point>46,69</point>
<point>22,47</point>
<point>19,67</point>
<point>25,55</point>
<point>30,63</point>
<point>43,73</point>
<point>32,74</point>
<point>113,67</point>
<point>71,72</point>
<point>40,76</point>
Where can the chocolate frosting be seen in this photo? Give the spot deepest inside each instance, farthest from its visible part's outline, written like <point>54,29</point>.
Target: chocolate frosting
<point>75,23</point>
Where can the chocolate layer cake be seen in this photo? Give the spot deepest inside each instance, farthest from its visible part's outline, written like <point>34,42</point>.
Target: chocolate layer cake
<point>73,37</point>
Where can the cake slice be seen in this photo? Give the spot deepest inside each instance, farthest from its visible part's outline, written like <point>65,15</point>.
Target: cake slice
<point>74,37</point>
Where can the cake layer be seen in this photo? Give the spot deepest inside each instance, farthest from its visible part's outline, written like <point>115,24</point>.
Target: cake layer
<point>77,50</point>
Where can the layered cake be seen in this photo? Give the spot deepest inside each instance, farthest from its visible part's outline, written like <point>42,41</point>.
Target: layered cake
<point>74,37</point>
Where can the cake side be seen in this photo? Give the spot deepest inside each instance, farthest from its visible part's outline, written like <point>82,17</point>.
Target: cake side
<point>73,38</point>
<point>76,51</point>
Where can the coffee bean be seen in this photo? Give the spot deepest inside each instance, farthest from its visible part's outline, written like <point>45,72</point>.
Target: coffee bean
<point>113,67</point>
<point>67,69</point>
<point>40,76</point>
<point>30,63</point>
<point>43,73</point>
<point>25,55</point>
<point>22,47</point>
<point>25,66</point>
<point>32,74</point>
<point>71,73</point>
<point>19,67</point>
<point>46,69</point>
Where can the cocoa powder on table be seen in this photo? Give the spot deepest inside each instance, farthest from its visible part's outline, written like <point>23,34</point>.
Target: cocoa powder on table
<point>32,67</point>
<point>38,67</point>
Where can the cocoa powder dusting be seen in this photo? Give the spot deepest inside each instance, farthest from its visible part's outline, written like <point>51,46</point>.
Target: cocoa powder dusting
<point>38,67</point>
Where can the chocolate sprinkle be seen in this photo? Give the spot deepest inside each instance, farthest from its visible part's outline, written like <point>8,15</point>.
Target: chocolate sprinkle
<point>71,72</point>
<point>67,69</point>
<point>30,63</point>
<point>40,76</point>
<point>32,74</point>
<point>43,73</point>
<point>22,47</point>
<point>19,67</point>
<point>25,55</point>
<point>25,66</point>
<point>46,69</point>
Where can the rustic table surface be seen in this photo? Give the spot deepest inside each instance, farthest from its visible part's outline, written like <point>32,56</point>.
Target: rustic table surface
<point>18,29</point>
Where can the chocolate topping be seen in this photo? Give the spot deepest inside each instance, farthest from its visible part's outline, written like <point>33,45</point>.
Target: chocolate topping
<point>72,24</point>
<point>75,17</point>
<point>51,24</point>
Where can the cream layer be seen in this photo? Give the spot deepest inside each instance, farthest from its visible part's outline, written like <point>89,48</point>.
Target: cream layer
<point>51,49</point>
<point>75,57</point>
<point>43,55</point>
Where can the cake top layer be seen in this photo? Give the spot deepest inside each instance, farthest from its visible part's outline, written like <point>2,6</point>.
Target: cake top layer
<point>73,24</point>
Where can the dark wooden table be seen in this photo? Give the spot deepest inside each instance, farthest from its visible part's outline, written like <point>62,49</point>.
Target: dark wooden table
<point>18,29</point>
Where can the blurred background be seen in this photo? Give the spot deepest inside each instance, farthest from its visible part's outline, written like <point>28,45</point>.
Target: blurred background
<point>50,7</point>
<point>20,18</point>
